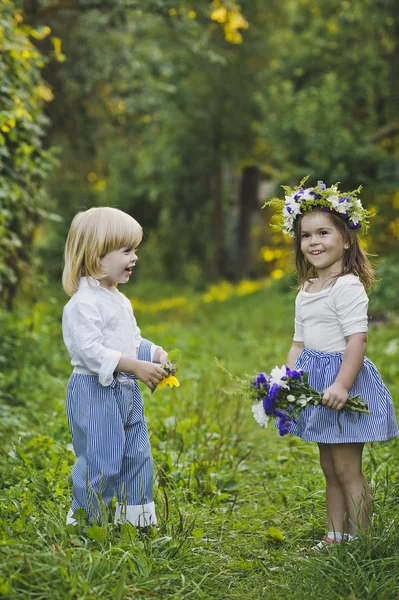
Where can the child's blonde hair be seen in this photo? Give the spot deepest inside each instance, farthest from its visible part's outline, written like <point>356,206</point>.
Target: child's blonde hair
<point>93,234</point>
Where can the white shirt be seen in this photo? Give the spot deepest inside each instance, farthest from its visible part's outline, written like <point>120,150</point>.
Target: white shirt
<point>99,327</point>
<point>323,319</point>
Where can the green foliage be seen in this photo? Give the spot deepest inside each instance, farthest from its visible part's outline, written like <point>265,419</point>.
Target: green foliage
<point>30,366</point>
<point>159,114</point>
<point>163,134</point>
<point>236,503</point>
<point>325,116</point>
<point>24,163</point>
<point>386,293</point>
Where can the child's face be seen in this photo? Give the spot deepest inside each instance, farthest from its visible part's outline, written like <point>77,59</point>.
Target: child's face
<point>118,266</point>
<point>321,243</point>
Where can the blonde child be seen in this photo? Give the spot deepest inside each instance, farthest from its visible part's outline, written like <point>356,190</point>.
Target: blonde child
<point>330,342</point>
<point>104,405</point>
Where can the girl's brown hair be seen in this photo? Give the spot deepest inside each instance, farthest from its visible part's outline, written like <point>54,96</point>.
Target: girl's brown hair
<point>355,260</point>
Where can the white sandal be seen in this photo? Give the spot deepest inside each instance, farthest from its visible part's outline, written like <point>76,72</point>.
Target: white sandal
<point>325,543</point>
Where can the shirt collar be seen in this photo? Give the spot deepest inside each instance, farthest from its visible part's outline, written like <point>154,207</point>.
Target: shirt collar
<point>90,282</point>
<point>94,284</point>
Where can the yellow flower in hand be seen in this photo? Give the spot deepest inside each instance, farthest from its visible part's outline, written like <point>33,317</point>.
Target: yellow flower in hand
<point>170,380</point>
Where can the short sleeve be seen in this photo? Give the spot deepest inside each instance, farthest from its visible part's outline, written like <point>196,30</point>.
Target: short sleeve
<point>298,333</point>
<point>351,303</point>
<point>86,339</point>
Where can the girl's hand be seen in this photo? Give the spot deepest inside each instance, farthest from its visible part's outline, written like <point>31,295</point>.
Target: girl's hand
<point>149,373</point>
<point>335,396</point>
<point>161,356</point>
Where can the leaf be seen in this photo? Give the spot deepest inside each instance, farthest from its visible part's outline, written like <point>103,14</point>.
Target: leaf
<point>275,534</point>
<point>228,484</point>
<point>4,588</point>
<point>174,355</point>
<point>80,515</point>
<point>119,589</point>
<point>198,534</point>
<point>97,533</point>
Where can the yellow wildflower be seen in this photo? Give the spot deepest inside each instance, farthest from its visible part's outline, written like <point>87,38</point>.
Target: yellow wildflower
<point>170,380</point>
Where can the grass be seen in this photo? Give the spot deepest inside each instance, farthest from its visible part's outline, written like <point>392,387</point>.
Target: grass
<point>236,503</point>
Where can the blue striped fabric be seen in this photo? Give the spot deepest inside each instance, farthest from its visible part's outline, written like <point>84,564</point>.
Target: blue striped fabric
<point>110,440</point>
<point>325,425</point>
<point>144,352</point>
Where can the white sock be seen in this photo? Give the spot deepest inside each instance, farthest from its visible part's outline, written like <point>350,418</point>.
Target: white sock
<point>336,535</point>
<point>348,537</point>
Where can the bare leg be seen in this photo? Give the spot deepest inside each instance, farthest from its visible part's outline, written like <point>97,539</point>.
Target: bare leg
<point>337,510</point>
<point>347,461</point>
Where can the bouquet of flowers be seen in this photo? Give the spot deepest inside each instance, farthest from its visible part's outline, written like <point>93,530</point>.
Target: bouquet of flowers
<point>284,393</point>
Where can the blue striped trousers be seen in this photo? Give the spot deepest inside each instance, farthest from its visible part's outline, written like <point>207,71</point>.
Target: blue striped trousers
<point>112,448</point>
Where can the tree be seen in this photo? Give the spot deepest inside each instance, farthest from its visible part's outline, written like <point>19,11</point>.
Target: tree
<point>330,101</point>
<point>24,164</point>
<point>143,87</point>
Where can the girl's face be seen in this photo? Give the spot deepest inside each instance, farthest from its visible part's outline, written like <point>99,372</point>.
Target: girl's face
<point>118,266</point>
<point>322,244</point>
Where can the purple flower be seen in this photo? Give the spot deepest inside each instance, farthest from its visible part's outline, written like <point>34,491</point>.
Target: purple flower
<point>274,390</point>
<point>344,199</point>
<point>268,406</point>
<point>317,196</point>
<point>280,414</point>
<point>268,402</point>
<point>260,380</point>
<point>321,185</point>
<point>353,226</point>
<point>294,374</point>
<point>285,422</point>
<point>289,209</point>
<point>284,428</point>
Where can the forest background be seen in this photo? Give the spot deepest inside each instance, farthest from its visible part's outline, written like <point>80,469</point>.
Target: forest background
<point>189,115</point>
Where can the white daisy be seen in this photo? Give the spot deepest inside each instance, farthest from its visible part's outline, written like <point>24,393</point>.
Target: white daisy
<point>276,376</point>
<point>259,414</point>
<point>307,194</point>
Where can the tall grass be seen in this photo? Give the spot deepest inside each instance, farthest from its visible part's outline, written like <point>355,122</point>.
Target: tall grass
<point>239,507</point>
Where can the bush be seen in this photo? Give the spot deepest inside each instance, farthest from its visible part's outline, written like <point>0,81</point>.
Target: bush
<point>386,292</point>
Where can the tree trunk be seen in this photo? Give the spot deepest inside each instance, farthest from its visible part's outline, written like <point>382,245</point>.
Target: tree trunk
<point>248,202</point>
<point>215,266</point>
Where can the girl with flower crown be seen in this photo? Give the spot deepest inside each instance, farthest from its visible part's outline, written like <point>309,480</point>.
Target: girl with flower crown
<point>330,342</point>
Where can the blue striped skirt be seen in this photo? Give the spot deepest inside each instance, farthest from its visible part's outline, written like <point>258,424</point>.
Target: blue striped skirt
<point>328,426</point>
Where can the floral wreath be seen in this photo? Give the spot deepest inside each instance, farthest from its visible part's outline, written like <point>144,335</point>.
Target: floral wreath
<point>300,199</point>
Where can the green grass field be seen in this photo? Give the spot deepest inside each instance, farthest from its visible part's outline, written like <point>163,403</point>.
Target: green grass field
<point>239,507</point>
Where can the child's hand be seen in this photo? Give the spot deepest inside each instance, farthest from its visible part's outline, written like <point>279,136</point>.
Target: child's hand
<point>161,356</point>
<point>150,373</point>
<point>335,396</point>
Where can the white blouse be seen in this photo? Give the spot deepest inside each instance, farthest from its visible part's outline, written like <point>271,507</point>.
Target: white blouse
<point>99,327</point>
<point>324,319</point>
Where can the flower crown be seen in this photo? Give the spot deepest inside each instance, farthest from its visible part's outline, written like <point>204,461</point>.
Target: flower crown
<point>300,199</point>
